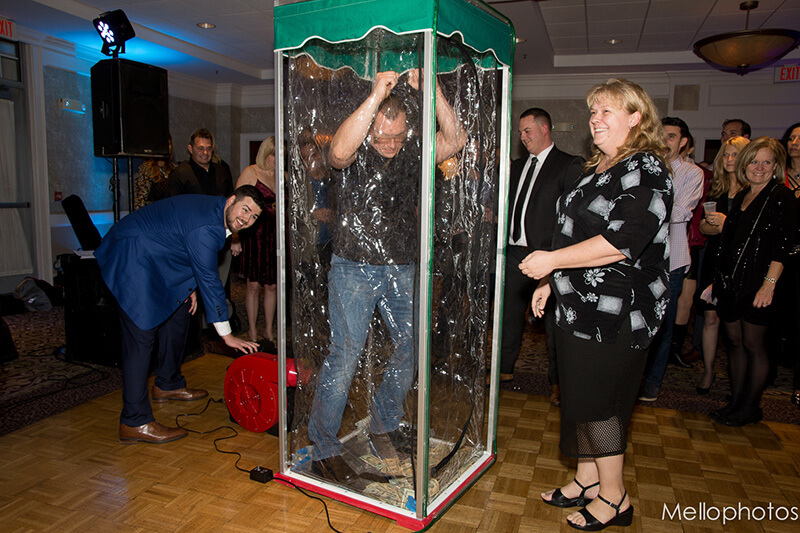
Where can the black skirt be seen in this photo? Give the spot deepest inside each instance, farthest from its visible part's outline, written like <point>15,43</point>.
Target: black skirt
<point>599,385</point>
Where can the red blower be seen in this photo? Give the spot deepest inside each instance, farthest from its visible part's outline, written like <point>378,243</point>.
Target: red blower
<point>251,390</point>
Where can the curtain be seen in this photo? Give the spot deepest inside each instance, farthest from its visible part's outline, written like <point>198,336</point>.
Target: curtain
<point>15,255</point>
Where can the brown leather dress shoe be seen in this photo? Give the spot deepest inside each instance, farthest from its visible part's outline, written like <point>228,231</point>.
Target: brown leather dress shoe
<point>183,395</point>
<point>555,395</point>
<point>153,433</point>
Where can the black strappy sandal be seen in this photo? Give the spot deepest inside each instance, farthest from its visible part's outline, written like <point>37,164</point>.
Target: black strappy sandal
<point>625,518</point>
<point>559,500</point>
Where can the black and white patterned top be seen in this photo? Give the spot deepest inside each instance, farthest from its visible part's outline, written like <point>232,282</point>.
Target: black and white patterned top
<point>629,205</point>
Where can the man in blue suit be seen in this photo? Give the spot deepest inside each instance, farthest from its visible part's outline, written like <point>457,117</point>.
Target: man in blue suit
<point>153,261</point>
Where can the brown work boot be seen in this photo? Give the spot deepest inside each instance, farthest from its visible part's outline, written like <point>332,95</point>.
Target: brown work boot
<point>152,433</point>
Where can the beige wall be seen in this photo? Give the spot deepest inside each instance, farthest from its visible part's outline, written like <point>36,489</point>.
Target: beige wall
<point>578,141</point>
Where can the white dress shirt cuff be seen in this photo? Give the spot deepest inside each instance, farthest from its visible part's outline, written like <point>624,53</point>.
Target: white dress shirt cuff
<point>223,328</point>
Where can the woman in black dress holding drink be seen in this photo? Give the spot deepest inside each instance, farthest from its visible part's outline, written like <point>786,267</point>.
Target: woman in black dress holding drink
<point>756,241</point>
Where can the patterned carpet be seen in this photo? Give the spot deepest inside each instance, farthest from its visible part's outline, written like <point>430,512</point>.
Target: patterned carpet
<point>677,390</point>
<point>41,383</point>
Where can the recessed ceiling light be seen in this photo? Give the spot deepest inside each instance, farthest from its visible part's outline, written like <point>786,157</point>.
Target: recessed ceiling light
<point>206,25</point>
<point>613,41</point>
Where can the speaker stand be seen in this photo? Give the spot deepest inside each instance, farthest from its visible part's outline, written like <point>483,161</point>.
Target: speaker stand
<point>115,187</point>
<point>130,185</point>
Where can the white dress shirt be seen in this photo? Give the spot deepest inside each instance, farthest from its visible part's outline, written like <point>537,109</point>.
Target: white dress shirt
<point>540,157</point>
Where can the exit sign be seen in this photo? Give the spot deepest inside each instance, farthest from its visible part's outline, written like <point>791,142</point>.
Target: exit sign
<point>8,29</point>
<point>787,73</point>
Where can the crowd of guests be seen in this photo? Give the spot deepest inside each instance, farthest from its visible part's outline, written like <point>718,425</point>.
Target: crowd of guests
<point>640,236</point>
<point>643,235</point>
<point>746,268</point>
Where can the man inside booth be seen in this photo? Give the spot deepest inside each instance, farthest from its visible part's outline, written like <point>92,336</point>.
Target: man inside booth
<point>374,185</point>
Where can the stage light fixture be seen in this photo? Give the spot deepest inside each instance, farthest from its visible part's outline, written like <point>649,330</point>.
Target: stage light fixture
<point>114,28</point>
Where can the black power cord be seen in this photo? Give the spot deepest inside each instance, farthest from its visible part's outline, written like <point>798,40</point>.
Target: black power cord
<point>216,447</point>
<point>259,473</point>
<point>327,514</point>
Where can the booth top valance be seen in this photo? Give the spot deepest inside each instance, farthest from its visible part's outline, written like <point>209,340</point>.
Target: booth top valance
<point>480,27</point>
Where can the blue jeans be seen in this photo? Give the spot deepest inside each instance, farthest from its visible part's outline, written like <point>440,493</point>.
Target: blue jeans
<point>354,291</point>
<point>659,351</point>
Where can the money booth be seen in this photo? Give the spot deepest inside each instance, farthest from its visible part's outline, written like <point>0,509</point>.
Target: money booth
<point>390,116</point>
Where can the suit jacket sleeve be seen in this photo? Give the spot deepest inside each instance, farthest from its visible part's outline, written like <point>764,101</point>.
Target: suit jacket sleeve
<point>202,246</point>
<point>178,178</point>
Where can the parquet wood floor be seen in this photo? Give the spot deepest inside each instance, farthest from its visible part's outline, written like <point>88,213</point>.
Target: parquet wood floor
<point>68,473</point>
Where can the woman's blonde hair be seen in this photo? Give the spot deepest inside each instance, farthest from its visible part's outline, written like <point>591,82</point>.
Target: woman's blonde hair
<point>749,152</point>
<point>646,136</point>
<point>720,184</point>
<point>266,149</point>
<point>151,169</point>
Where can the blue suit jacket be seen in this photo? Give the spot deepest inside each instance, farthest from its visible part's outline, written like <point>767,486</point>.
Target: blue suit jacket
<point>155,257</point>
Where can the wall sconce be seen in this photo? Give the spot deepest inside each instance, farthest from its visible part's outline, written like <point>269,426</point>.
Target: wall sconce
<point>72,106</point>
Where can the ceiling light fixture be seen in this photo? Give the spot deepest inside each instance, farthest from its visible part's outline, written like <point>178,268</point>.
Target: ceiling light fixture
<point>612,42</point>
<point>206,25</point>
<point>745,51</point>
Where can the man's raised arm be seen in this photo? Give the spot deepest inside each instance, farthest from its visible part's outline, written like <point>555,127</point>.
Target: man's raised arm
<point>354,130</point>
<point>451,136</point>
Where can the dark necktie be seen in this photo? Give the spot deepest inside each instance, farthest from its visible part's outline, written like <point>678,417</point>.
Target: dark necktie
<point>523,193</point>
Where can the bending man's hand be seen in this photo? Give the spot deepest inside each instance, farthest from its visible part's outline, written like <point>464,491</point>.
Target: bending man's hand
<point>538,264</point>
<point>193,299</point>
<point>240,344</point>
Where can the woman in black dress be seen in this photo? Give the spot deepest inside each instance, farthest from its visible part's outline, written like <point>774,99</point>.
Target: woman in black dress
<point>609,268</point>
<point>259,260</point>
<point>725,185</point>
<point>755,244</point>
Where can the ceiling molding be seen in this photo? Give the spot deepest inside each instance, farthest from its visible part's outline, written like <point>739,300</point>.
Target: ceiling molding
<point>575,86</point>
<point>191,88</point>
<point>258,96</point>
<point>619,60</point>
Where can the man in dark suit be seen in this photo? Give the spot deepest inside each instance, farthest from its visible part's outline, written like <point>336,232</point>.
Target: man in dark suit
<point>200,174</point>
<point>153,261</point>
<point>536,183</point>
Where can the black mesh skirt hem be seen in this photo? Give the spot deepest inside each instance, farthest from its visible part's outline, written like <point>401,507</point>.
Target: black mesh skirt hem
<point>599,384</point>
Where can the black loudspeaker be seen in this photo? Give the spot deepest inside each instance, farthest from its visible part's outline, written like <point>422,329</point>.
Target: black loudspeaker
<point>130,112</point>
<point>91,320</point>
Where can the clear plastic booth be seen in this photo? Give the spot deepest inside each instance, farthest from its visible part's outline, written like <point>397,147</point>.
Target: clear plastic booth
<point>391,117</point>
